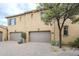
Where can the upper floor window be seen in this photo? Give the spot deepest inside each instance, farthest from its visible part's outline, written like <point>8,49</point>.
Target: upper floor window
<point>12,21</point>
<point>65,30</point>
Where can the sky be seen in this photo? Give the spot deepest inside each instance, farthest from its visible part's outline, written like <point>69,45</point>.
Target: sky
<point>13,9</point>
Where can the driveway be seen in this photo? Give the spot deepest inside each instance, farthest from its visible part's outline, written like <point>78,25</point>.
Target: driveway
<point>12,48</point>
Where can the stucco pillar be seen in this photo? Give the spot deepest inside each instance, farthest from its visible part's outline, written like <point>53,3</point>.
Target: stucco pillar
<point>27,37</point>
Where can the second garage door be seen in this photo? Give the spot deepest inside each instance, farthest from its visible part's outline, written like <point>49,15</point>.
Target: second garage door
<point>40,36</point>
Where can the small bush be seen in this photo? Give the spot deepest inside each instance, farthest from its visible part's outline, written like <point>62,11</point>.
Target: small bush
<point>54,42</point>
<point>75,43</point>
<point>23,35</point>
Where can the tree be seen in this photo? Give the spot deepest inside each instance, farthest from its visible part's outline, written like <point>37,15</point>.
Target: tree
<point>58,11</point>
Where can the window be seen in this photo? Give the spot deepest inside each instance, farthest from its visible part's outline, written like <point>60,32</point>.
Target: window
<point>65,30</point>
<point>12,21</point>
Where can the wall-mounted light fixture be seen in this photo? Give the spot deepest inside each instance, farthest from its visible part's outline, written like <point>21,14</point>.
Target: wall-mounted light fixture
<point>38,29</point>
<point>31,15</point>
<point>15,30</point>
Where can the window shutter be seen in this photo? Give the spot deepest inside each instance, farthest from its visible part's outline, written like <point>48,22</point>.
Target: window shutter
<point>9,22</point>
<point>14,21</point>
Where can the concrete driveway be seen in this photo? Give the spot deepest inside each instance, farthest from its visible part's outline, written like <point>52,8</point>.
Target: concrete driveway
<point>12,48</point>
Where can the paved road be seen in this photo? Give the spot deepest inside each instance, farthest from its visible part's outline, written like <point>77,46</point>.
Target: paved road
<point>11,48</point>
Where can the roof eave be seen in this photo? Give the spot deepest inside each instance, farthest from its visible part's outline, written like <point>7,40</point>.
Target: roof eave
<point>33,11</point>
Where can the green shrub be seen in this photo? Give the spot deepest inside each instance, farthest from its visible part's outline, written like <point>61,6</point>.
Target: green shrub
<point>75,43</point>
<point>54,42</point>
<point>23,35</point>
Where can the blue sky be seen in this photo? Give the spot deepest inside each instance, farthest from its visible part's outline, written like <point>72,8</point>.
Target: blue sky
<point>13,9</point>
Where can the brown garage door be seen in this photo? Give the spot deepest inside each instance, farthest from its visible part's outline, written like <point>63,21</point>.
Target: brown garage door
<point>40,36</point>
<point>15,36</point>
<point>0,36</point>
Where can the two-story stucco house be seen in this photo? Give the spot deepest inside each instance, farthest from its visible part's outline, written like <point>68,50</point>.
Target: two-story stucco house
<point>36,30</point>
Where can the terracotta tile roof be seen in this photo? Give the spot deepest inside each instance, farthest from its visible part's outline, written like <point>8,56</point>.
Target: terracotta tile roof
<point>4,27</point>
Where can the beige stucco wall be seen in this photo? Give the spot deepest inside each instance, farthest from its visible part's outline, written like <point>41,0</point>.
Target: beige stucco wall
<point>73,30</point>
<point>4,34</point>
<point>32,22</point>
<point>27,23</point>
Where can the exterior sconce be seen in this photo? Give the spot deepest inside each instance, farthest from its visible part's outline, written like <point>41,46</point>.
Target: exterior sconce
<point>15,30</point>
<point>38,29</point>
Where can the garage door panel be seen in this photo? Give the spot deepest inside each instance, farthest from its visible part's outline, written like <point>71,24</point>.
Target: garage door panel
<point>15,36</point>
<point>0,36</point>
<point>40,36</point>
